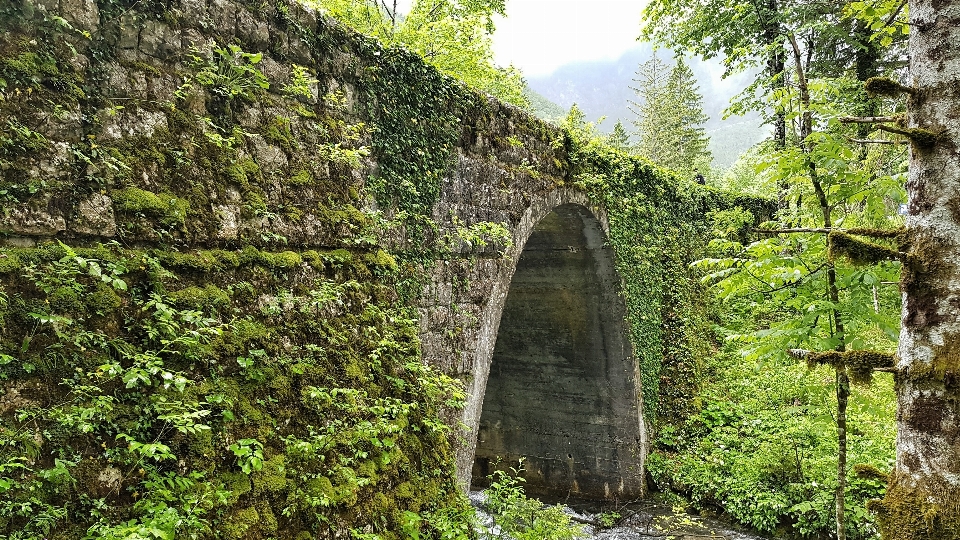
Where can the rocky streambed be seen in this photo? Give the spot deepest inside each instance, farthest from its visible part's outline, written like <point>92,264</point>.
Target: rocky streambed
<point>642,520</point>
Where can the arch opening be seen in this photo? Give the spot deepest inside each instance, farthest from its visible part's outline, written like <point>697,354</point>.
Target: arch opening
<point>562,391</point>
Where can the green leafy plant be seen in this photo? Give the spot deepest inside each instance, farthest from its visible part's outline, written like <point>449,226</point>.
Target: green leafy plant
<point>228,72</point>
<point>249,453</point>
<point>300,82</point>
<point>521,518</point>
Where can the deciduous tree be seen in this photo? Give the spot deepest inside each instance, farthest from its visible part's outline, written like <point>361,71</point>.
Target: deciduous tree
<point>453,35</point>
<point>923,499</point>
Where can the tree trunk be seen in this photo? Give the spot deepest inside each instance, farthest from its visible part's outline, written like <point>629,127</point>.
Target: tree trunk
<point>923,498</point>
<point>773,37</point>
<point>842,381</point>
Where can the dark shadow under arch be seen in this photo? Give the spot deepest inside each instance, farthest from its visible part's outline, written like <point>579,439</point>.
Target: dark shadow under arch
<point>562,390</point>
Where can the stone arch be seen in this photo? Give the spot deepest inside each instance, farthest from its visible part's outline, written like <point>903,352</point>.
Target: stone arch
<point>599,447</point>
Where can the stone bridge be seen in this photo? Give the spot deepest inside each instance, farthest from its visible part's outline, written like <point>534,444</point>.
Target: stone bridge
<point>532,321</point>
<point>544,348</point>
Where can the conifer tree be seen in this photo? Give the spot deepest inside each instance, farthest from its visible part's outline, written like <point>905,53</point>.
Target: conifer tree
<point>619,138</point>
<point>670,117</point>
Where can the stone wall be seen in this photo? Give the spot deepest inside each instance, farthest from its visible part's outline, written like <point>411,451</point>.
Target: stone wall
<point>246,159</point>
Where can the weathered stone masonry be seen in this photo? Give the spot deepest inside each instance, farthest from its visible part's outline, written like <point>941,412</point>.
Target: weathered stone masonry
<point>506,168</point>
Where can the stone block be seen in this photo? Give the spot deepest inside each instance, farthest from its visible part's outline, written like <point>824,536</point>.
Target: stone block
<point>30,220</point>
<point>64,125</point>
<point>228,217</point>
<point>59,163</point>
<point>270,158</point>
<point>278,74</point>
<point>130,123</point>
<point>194,12</point>
<point>159,40</point>
<point>84,15</point>
<point>95,216</point>
<point>254,33</point>
<point>129,32</point>
<point>224,13</point>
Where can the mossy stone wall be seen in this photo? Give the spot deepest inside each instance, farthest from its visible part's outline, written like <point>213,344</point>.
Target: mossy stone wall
<point>250,259</point>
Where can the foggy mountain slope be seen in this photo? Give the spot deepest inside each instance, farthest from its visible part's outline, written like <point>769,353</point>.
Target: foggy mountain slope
<point>602,88</point>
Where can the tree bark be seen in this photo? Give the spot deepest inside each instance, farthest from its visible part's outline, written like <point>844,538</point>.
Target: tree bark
<point>923,498</point>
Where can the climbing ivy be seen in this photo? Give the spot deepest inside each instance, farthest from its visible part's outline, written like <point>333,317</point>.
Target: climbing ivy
<point>417,112</point>
<point>658,224</point>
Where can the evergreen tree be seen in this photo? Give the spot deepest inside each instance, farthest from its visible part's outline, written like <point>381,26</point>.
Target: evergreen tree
<point>619,138</point>
<point>670,117</point>
<point>651,109</point>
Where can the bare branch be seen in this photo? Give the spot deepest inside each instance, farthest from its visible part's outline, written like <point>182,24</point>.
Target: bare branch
<point>869,119</point>
<point>895,14</point>
<point>876,141</point>
<point>873,233</point>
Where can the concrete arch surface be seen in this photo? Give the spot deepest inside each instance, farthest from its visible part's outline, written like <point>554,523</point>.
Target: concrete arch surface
<point>578,420</point>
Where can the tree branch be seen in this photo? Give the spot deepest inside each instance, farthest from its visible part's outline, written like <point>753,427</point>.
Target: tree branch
<point>876,141</point>
<point>874,233</point>
<point>869,119</point>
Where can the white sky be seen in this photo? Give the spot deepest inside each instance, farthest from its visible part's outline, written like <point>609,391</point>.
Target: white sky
<point>538,36</point>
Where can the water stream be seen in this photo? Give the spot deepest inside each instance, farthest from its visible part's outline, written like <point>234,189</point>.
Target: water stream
<point>642,520</point>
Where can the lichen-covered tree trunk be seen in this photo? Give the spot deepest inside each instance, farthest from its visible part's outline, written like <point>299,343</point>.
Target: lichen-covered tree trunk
<point>923,499</point>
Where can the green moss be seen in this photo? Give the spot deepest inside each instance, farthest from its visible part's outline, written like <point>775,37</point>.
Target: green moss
<point>65,300</point>
<point>866,471</point>
<point>282,260</point>
<point>859,365</point>
<point>243,172</point>
<point>272,478</point>
<point>301,178</point>
<point>381,259</point>
<point>9,262</point>
<point>237,484</point>
<point>321,488</point>
<point>886,87</point>
<point>911,512</point>
<point>337,256</point>
<point>859,252</point>
<point>240,337</point>
<point>207,297</point>
<point>367,468</point>
<point>404,491</point>
<point>278,132</point>
<point>312,258</point>
<point>239,522</point>
<point>878,233</point>
<point>201,261</point>
<point>103,300</point>
<point>168,208</point>
<point>30,65</point>
<point>268,521</point>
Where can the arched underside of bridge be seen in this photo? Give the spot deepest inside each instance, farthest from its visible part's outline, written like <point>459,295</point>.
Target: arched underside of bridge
<point>562,390</point>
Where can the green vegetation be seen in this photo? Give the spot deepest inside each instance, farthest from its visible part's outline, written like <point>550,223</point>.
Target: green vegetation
<point>520,518</point>
<point>454,36</point>
<point>669,117</point>
<point>812,283</point>
<point>268,433</point>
